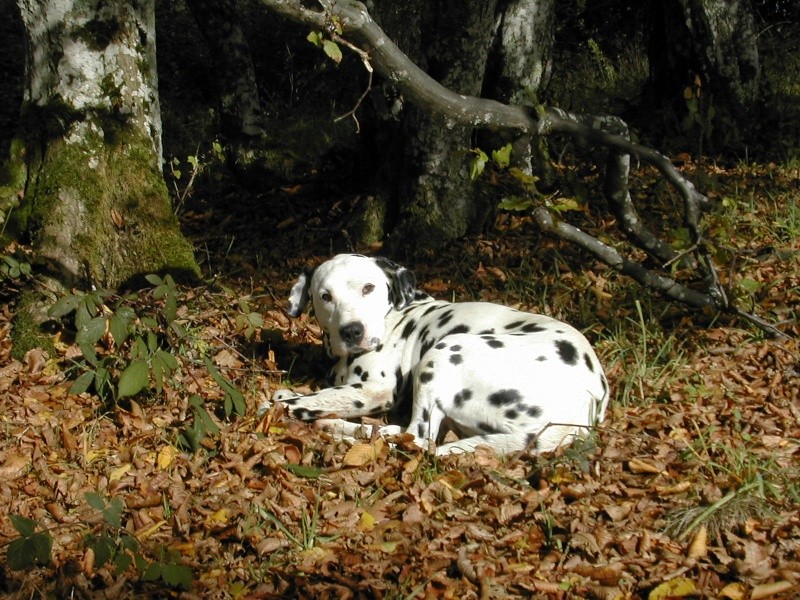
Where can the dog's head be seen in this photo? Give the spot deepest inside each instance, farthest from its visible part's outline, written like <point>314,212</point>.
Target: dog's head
<point>351,295</point>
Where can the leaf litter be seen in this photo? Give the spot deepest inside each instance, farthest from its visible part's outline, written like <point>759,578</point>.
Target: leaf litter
<point>688,489</point>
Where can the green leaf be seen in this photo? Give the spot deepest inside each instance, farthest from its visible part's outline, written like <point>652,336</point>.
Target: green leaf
<point>749,285</point>
<point>333,51</point>
<point>177,576</point>
<point>154,279</point>
<point>171,308</point>
<point>304,470</point>
<point>118,326</point>
<point>152,572</point>
<point>315,37</point>
<point>502,156</point>
<point>112,514</point>
<point>478,165</point>
<point>565,205</point>
<point>205,419</point>
<point>255,319</point>
<point>91,332</point>
<point>134,379</point>
<point>21,554</point>
<point>64,306</point>
<point>82,383</point>
<point>25,526</point>
<point>515,203</point>
<point>95,501</point>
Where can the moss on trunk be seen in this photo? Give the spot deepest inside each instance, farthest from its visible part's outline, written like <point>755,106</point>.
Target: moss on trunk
<point>98,211</point>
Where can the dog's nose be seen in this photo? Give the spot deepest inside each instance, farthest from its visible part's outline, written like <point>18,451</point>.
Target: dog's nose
<point>352,334</point>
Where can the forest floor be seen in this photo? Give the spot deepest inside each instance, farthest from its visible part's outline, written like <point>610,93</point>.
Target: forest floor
<point>690,488</point>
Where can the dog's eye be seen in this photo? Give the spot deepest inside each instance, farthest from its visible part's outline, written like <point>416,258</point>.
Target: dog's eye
<point>326,297</point>
<point>368,289</point>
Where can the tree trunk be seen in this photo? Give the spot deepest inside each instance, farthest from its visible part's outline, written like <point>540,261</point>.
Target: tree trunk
<point>95,206</point>
<point>519,66</point>
<point>250,150</point>
<point>432,188</point>
<point>717,41</point>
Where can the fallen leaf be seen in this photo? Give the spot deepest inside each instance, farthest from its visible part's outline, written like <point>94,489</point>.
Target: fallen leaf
<point>733,591</point>
<point>674,588</point>
<point>14,466</point>
<point>165,457</point>
<point>120,472</point>
<point>363,453</point>
<point>699,545</point>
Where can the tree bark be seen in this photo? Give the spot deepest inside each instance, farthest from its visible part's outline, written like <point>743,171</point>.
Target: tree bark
<point>95,205</point>
<point>715,40</point>
<point>432,187</point>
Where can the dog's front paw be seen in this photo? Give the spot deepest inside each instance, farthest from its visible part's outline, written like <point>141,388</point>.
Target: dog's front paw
<point>277,396</point>
<point>283,395</point>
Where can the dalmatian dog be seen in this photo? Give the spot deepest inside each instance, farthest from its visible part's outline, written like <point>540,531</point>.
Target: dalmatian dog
<point>495,375</point>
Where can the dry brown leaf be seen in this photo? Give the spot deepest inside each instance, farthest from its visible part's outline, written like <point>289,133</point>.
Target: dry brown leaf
<point>364,453</point>
<point>15,465</point>
<point>699,546</point>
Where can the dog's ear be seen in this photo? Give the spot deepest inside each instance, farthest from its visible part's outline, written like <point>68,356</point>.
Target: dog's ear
<point>402,282</point>
<point>299,296</point>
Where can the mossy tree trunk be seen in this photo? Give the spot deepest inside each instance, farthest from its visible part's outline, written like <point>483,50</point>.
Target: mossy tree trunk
<point>94,205</point>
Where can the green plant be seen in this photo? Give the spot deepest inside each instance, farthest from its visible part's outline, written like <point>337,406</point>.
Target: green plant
<point>32,548</point>
<point>202,425</point>
<point>309,534</point>
<point>14,267</point>
<point>123,351</point>
<point>112,544</point>
<point>248,321</point>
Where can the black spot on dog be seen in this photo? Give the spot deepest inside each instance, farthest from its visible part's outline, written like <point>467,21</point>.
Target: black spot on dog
<point>289,401</point>
<point>358,386</point>
<point>504,397</point>
<point>456,359</point>
<point>588,360</point>
<point>514,325</point>
<point>357,370</point>
<point>379,348</point>
<point>383,374</point>
<point>567,352</point>
<point>430,364</point>
<point>462,397</point>
<point>511,414</point>
<point>358,404</point>
<point>306,414</point>
<point>495,343</point>
<point>541,358</point>
<point>445,318</point>
<point>424,348</point>
<point>408,330</point>
<point>534,411</point>
<point>365,376</point>
<point>533,328</point>
<point>487,331</point>
<point>429,310</point>
<point>486,428</point>
<point>455,348</point>
<point>421,430</point>
<point>440,346</point>
<point>426,377</point>
<point>426,415</point>
<point>458,329</point>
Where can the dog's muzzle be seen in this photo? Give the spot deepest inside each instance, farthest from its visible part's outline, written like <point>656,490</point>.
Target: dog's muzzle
<point>352,335</point>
